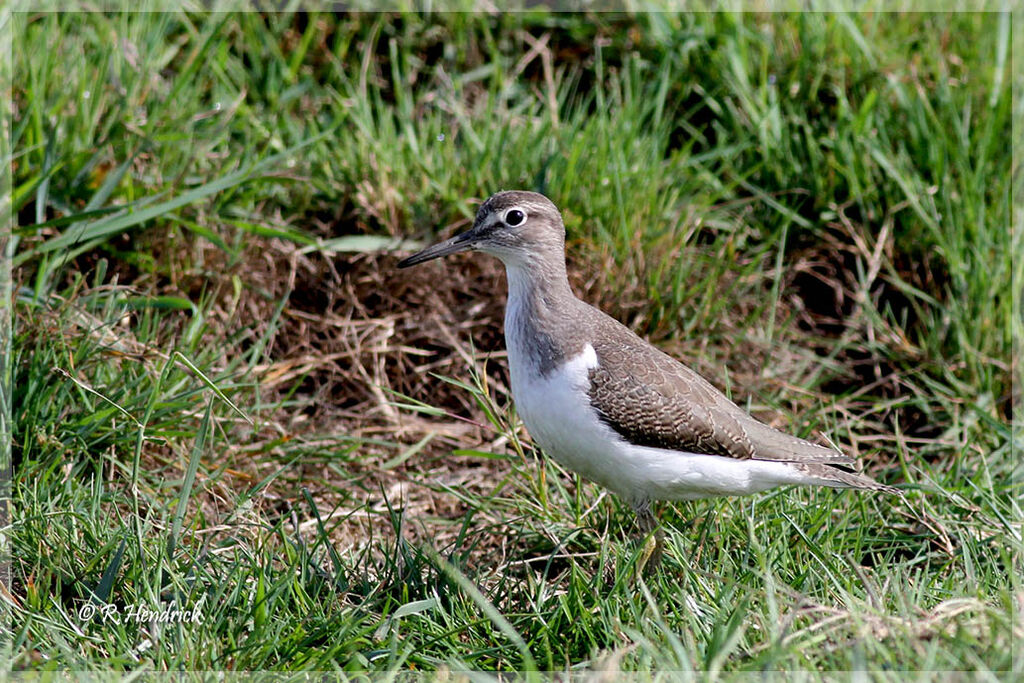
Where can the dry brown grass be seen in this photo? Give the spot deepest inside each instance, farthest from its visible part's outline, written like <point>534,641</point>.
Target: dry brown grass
<point>354,337</point>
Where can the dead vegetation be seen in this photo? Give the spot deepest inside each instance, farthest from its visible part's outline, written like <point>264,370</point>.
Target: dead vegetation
<point>354,337</point>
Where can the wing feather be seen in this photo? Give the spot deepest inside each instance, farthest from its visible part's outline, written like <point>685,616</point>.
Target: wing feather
<point>664,404</point>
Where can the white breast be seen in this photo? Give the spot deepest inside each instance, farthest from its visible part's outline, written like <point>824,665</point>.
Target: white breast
<point>557,413</point>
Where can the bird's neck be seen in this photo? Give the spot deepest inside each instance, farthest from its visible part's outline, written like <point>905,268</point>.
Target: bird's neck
<point>543,282</point>
<point>538,316</point>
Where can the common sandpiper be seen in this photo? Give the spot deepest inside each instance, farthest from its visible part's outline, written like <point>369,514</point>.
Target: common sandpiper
<point>610,406</point>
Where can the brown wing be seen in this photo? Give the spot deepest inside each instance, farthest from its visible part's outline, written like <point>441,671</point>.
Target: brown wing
<point>662,403</point>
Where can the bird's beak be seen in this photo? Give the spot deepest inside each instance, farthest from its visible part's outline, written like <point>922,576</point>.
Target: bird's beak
<point>460,242</point>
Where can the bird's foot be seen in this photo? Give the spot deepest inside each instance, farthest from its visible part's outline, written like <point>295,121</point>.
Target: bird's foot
<point>654,541</point>
<point>650,556</point>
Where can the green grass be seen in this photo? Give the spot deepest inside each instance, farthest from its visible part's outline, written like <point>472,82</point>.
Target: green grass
<point>811,209</point>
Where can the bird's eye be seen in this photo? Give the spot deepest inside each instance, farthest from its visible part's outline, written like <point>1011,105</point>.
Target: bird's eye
<point>514,217</point>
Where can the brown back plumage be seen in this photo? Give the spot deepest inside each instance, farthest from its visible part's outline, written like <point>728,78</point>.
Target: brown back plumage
<point>651,399</point>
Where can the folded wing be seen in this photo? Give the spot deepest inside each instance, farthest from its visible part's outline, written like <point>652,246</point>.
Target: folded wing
<point>664,404</point>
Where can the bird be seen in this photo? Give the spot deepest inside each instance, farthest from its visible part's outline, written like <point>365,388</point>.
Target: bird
<point>610,406</point>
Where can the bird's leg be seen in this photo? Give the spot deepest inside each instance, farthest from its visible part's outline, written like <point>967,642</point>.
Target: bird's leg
<point>654,544</point>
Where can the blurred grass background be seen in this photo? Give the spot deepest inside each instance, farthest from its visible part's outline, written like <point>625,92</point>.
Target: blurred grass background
<point>224,396</point>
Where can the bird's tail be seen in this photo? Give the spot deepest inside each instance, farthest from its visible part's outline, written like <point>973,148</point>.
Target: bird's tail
<point>841,479</point>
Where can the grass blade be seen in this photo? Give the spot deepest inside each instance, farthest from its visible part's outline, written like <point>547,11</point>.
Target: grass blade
<point>213,387</point>
<point>106,585</point>
<point>190,477</point>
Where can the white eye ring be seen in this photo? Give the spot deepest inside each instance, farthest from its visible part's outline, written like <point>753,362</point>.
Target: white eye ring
<point>514,217</point>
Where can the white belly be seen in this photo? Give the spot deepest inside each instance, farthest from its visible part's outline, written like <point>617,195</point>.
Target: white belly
<point>559,418</point>
<point>558,415</point>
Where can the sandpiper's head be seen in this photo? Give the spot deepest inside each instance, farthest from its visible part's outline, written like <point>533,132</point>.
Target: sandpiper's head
<point>517,227</point>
